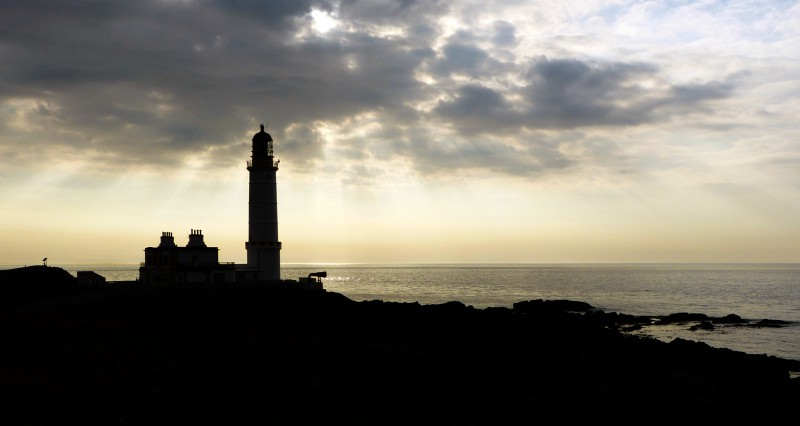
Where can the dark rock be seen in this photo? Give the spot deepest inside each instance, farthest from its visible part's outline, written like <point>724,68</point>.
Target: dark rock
<point>629,328</point>
<point>452,307</point>
<point>703,325</point>
<point>729,319</point>
<point>20,286</point>
<point>681,317</point>
<point>256,355</point>
<point>771,323</point>
<point>550,306</point>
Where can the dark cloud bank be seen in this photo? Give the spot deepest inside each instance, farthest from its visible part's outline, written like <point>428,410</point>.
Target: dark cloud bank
<point>147,83</point>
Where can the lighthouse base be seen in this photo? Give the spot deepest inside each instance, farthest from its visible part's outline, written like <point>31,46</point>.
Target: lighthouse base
<point>264,257</point>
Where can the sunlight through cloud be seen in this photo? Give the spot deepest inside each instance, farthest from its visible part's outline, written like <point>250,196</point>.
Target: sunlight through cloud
<point>323,21</point>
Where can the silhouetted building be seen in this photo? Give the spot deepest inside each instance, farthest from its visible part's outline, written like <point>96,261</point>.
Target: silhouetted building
<point>196,262</point>
<point>263,247</point>
<point>90,279</point>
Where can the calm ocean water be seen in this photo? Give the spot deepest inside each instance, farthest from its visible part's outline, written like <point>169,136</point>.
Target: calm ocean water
<point>752,291</point>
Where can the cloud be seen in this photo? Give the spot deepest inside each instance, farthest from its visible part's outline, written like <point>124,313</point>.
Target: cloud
<point>392,13</point>
<point>302,144</point>
<point>504,34</point>
<point>154,83</point>
<point>460,58</point>
<point>570,93</point>
<point>273,12</point>
<point>476,108</point>
<point>450,85</point>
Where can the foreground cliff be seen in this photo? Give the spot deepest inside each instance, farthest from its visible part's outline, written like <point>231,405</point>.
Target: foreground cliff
<point>128,354</point>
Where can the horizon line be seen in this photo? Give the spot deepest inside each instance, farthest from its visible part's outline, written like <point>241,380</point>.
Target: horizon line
<point>429,263</point>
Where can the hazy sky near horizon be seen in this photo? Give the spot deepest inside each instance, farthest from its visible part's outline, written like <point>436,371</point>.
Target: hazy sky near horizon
<point>408,131</point>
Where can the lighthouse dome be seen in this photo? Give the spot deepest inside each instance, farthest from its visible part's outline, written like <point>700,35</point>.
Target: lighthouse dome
<point>262,146</point>
<point>262,136</point>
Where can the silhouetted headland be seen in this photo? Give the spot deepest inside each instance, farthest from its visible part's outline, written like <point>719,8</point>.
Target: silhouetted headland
<point>126,353</point>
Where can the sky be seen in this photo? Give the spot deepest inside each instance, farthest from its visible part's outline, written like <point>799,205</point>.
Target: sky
<point>407,131</point>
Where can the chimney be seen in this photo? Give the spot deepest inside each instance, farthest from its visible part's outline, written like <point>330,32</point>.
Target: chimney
<point>167,240</point>
<point>196,239</point>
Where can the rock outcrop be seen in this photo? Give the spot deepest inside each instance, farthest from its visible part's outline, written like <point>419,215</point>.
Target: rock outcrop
<point>229,354</point>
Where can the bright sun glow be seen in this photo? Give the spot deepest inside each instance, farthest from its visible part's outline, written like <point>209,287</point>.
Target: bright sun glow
<point>323,21</point>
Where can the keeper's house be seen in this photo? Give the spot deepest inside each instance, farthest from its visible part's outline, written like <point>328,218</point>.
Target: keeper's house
<point>195,263</point>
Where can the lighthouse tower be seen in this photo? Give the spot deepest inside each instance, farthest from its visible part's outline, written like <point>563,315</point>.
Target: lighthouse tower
<point>263,247</point>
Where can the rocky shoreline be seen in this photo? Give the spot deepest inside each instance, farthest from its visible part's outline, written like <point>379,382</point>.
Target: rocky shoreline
<point>238,354</point>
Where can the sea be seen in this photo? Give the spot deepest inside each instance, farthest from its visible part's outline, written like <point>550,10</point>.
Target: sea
<point>752,291</point>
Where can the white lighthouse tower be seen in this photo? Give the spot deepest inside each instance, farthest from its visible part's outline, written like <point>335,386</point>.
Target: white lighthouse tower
<point>263,247</point>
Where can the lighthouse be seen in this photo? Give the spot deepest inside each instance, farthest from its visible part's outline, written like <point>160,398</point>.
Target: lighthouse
<point>263,247</point>
<point>199,263</point>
